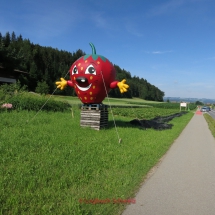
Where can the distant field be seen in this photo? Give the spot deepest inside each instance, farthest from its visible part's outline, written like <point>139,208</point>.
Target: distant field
<point>126,101</point>
<point>70,99</point>
<point>113,101</point>
<point>134,102</point>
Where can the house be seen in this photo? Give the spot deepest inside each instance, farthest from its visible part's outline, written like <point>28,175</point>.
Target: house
<point>10,76</point>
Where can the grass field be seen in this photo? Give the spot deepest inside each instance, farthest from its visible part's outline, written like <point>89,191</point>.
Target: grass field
<point>211,123</point>
<point>126,102</point>
<point>50,165</point>
<point>106,101</point>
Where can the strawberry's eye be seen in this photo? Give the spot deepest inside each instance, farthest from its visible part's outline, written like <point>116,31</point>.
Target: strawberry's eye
<point>90,70</point>
<point>75,70</point>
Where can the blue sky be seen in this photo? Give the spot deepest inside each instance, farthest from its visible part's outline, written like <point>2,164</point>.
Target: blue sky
<point>170,43</point>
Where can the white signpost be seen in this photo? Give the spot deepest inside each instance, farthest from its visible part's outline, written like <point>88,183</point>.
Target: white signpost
<point>183,104</point>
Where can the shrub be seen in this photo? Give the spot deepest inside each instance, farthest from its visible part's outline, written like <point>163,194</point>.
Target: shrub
<point>27,101</point>
<point>22,100</point>
<point>9,90</point>
<point>42,88</point>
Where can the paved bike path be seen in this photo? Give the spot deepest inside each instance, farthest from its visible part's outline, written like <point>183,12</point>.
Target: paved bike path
<point>184,182</point>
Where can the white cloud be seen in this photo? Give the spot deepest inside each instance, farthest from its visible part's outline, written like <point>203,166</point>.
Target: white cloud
<point>158,52</point>
<point>99,20</point>
<point>161,52</point>
<point>133,29</point>
<point>104,22</point>
<point>165,8</point>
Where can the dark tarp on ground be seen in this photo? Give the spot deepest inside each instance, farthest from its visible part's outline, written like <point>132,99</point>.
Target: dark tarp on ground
<point>158,123</point>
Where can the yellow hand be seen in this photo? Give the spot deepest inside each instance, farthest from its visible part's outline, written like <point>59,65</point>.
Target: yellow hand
<point>61,84</point>
<point>122,86</point>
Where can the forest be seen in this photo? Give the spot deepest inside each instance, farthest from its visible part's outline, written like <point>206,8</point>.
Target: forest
<point>45,65</point>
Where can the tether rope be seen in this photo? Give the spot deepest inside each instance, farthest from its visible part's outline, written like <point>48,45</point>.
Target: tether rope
<point>47,100</point>
<point>119,139</point>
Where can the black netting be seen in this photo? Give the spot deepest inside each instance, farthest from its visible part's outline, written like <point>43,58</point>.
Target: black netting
<point>158,123</point>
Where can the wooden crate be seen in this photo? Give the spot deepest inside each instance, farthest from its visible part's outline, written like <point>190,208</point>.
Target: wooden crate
<point>94,116</point>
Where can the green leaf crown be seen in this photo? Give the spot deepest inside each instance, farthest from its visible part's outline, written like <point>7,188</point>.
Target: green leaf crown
<point>94,55</point>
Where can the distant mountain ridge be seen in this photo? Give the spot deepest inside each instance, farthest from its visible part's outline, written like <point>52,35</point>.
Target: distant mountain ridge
<point>179,99</point>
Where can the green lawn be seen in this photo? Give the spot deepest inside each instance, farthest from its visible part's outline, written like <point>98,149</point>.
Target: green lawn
<point>211,123</point>
<point>106,101</point>
<point>50,164</point>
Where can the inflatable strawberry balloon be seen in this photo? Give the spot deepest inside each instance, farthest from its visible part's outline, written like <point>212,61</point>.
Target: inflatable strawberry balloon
<point>92,77</point>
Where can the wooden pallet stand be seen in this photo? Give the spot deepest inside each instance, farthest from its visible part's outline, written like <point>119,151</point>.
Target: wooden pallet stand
<point>94,116</point>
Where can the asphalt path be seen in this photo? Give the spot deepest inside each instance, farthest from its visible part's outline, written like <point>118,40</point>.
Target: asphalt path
<point>184,181</point>
<point>212,113</point>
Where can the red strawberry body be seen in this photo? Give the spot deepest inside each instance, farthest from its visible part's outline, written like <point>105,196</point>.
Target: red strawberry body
<point>92,77</point>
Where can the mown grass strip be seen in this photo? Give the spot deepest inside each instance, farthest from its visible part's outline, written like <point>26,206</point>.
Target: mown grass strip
<point>211,123</point>
<point>49,164</point>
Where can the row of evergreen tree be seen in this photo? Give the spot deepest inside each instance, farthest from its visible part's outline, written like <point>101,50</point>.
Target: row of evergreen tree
<point>45,65</point>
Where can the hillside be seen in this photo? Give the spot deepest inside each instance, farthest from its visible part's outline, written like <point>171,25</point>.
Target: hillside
<point>192,100</point>
<point>45,65</point>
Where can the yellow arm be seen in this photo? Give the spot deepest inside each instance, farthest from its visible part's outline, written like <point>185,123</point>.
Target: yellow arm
<point>122,86</point>
<point>61,84</point>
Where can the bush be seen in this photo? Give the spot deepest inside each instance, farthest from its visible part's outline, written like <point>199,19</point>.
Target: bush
<point>42,88</point>
<point>9,90</point>
<point>27,101</point>
<point>22,100</point>
<point>2,96</point>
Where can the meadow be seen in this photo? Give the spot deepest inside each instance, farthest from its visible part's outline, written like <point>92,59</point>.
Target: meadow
<point>51,165</point>
<point>211,123</point>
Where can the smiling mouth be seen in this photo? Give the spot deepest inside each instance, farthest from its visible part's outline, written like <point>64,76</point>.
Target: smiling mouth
<point>84,88</point>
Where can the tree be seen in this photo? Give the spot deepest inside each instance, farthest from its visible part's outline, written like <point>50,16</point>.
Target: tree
<point>7,39</point>
<point>42,88</point>
<point>19,38</point>
<point>2,52</point>
<point>199,103</point>
<point>13,37</point>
